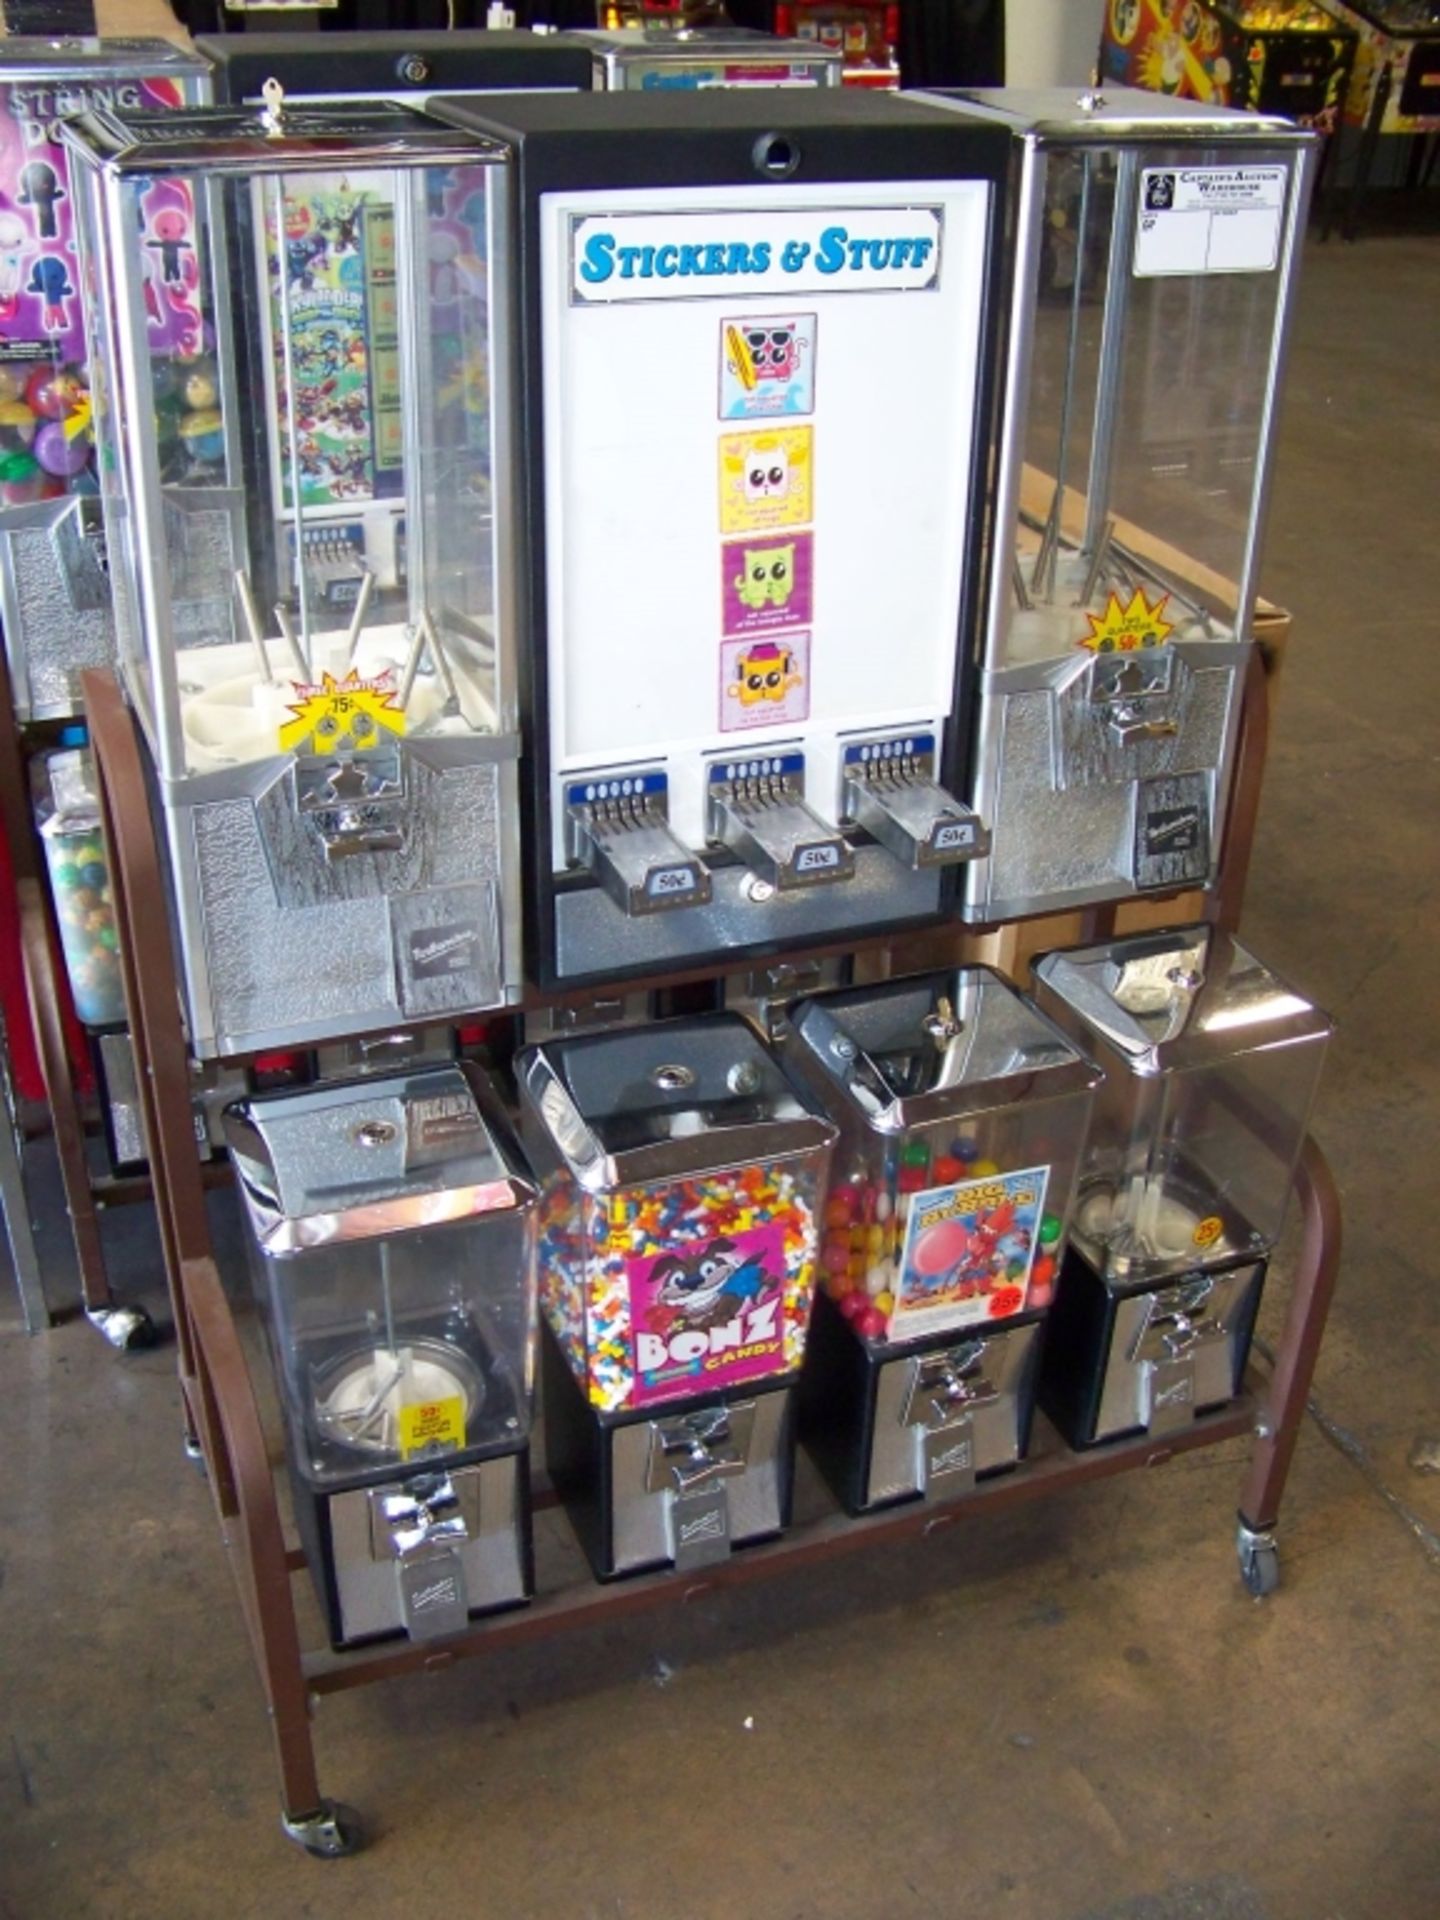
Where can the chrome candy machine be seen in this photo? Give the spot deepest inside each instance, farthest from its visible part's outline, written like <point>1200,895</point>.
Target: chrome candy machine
<point>54,584</point>
<point>962,1115</point>
<point>306,499</point>
<point>748,678</point>
<point>1211,1064</point>
<point>689,60</point>
<point>390,65</point>
<point>392,1235</point>
<point>1156,245</point>
<point>682,1184</point>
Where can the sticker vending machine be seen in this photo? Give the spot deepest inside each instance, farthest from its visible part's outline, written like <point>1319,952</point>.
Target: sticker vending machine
<point>962,1115</point>
<point>54,584</point>
<point>1211,1064</point>
<point>682,1176</point>
<point>293,318</point>
<point>760,337</point>
<point>1155,248</point>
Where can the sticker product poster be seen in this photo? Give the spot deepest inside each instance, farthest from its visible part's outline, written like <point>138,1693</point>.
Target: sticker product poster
<point>1209,220</point>
<point>432,1426</point>
<point>764,683</point>
<point>710,1315</point>
<point>968,1253</point>
<point>766,479</point>
<point>1128,625</point>
<point>337,294</point>
<point>40,314</point>
<point>767,582</point>
<point>767,365</point>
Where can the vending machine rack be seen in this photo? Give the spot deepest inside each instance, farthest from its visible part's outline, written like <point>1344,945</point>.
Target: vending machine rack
<point>222,1418</point>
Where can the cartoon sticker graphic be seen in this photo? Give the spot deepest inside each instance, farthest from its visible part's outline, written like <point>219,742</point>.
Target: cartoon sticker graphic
<point>764,682</point>
<point>50,281</point>
<point>708,1316</point>
<point>968,1254</point>
<point>767,366</point>
<point>766,583</point>
<point>765,480</point>
<point>1129,627</point>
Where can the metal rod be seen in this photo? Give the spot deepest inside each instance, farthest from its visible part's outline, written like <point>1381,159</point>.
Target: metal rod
<point>442,666</point>
<point>1072,350</point>
<point>251,616</point>
<point>1097,564</point>
<point>287,634</point>
<point>1147,569</point>
<point>357,619</point>
<point>1109,373</point>
<point>292,425</point>
<point>1022,592</point>
<point>412,665</point>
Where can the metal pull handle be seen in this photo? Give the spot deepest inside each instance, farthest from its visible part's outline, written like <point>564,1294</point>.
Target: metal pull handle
<point>351,834</point>
<point>698,1448</point>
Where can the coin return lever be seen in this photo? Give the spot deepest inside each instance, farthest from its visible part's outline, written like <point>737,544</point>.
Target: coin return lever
<point>889,789</point>
<point>619,828</point>
<point>759,811</point>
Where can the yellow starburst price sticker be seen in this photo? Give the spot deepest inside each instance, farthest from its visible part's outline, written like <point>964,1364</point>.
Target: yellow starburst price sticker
<point>432,1426</point>
<point>352,713</point>
<point>1126,628</point>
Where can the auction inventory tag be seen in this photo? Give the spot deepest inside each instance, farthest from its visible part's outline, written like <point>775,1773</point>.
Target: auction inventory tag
<point>432,1426</point>
<point>1209,220</point>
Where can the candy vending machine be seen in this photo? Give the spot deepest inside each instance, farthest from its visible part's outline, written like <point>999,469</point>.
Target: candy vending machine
<point>962,1115</point>
<point>1155,254</point>
<point>682,1178</point>
<point>392,1241</point>
<point>1211,1064</point>
<point>307,490</point>
<point>689,61</point>
<point>759,334</point>
<point>54,582</point>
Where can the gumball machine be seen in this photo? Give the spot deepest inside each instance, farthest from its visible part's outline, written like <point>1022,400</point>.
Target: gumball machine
<point>962,1115</point>
<point>392,1235</point>
<point>1211,1064</point>
<point>333,746</point>
<point>54,588</point>
<point>79,873</point>
<point>682,1181</point>
<point>1156,249</point>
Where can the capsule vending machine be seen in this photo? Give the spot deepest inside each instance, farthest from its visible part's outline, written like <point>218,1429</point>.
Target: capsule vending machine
<point>1211,1064</point>
<point>393,65</point>
<point>688,61</point>
<point>759,336</point>
<point>682,1177</point>
<point>962,1115</point>
<point>54,586</point>
<point>330,716</point>
<point>392,1241</point>
<point>1156,245</point>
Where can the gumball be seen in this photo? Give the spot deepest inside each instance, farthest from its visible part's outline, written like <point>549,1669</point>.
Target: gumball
<point>94,874</point>
<point>203,434</point>
<point>915,1153</point>
<point>109,938</point>
<point>871,1324</point>
<point>1049,1229</point>
<point>885,1303</point>
<point>965,1150</point>
<point>983,1170</point>
<point>947,1170</point>
<point>66,874</point>
<point>17,424</point>
<point>198,389</point>
<point>59,452</point>
<point>54,392</point>
<point>940,1247</point>
<point>852,1305</point>
<point>21,479</point>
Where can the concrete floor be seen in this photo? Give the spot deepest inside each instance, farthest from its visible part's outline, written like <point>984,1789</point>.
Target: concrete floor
<point>1070,1713</point>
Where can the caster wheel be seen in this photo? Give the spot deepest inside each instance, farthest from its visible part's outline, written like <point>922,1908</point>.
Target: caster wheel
<point>128,1329</point>
<point>195,1454</point>
<point>330,1833</point>
<point>1259,1562</point>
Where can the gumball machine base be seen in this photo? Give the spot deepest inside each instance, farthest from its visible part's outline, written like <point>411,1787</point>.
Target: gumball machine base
<point>916,1419</point>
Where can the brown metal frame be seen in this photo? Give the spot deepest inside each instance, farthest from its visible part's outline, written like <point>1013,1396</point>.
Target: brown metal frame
<point>222,1413</point>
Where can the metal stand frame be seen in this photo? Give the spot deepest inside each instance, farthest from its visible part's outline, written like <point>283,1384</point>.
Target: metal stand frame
<point>222,1417</point>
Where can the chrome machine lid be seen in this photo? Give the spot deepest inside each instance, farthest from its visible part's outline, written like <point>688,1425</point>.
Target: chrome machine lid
<point>666,1101</point>
<point>84,61</point>
<point>1175,1001</point>
<point>275,138</point>
<point>939,1046</point>
<point>1111,115</point>
<point>350,1162</point>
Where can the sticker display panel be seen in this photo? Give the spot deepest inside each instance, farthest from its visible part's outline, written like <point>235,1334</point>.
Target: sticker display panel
<point>865,300</point>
